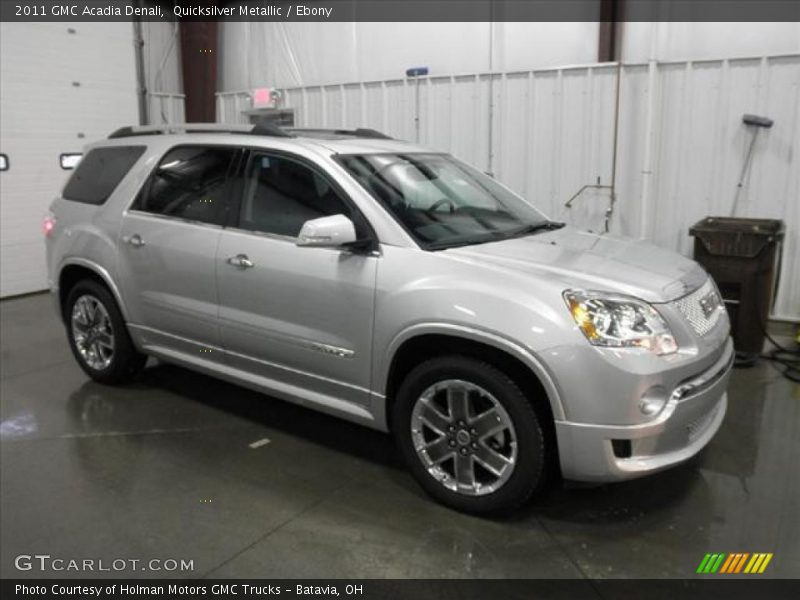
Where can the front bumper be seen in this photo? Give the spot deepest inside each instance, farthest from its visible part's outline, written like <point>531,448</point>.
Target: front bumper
<point>691,417</point>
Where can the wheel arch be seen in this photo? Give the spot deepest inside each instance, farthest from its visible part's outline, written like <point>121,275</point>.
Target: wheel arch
<point>422,342</point>
<point>76,269</point>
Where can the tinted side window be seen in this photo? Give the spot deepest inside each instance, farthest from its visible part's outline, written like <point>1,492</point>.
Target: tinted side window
<point>281,194</point>
<point>99,173</point>
<point>190,183</point>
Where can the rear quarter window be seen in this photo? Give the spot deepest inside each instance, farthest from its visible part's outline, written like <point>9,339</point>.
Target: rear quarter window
<point>99,173</point>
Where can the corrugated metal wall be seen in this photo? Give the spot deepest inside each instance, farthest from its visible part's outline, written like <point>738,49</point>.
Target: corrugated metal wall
<point>546,133</point>
<point>166,108</point>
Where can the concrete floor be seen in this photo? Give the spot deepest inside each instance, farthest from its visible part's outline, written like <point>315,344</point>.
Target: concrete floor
<point>163,468</point>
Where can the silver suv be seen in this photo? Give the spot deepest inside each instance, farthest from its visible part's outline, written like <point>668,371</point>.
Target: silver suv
<point>396,287</point>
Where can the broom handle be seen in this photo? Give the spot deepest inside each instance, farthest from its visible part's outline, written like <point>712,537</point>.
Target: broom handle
<point>745,167</point>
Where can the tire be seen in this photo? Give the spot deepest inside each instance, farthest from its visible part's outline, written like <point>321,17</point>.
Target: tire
<point>108,355</point>
<point>429,385</point>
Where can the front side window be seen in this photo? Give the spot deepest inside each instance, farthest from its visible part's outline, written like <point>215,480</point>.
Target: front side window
<point>190,182</point>
<point>441,201</point>
<point>280,194</point>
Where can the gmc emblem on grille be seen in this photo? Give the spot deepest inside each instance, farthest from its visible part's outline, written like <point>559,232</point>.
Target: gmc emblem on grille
<point>709,303</point>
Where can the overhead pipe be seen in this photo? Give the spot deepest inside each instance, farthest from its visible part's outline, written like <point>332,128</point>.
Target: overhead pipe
<point>609,49</point>
<point>649,135</point>
<point>614,148</point>
<point>490,132</point>
<point>615,47</point>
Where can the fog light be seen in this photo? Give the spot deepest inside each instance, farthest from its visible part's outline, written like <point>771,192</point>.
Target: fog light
<point>653,401</point>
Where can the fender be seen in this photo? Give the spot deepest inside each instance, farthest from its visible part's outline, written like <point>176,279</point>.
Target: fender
<point>491,339</point>
<point>102,272</point>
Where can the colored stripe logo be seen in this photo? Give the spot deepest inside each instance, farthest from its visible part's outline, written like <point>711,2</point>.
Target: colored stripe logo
<point>735,562</point>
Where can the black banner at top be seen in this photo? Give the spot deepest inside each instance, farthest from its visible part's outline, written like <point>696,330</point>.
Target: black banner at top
<point>397,10</point>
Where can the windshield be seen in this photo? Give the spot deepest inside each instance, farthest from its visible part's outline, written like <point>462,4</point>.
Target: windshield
<point>441,201</point>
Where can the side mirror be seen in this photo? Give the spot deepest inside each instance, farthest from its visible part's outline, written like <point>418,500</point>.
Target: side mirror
<point>327,232</point>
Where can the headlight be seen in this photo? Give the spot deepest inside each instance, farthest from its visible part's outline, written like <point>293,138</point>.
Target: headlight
<point>619,322</point>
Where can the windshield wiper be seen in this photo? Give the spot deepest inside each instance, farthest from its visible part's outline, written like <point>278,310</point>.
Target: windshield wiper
<point>459,243</point>
<point>497,236</point>
<point>531,229</point>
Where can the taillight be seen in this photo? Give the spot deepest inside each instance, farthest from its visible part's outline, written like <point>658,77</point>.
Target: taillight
<point>48,225</point>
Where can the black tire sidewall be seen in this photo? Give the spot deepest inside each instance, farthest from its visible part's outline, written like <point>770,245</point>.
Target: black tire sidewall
<point>532,456</point>
<point>126,361</point>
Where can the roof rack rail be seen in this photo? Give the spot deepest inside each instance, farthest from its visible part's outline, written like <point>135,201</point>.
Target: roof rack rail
<point>267,129</point>
<point>366,132</point>
<point>361,132</point>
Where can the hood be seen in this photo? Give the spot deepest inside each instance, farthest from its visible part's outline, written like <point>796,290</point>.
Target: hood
<point>596,262</point>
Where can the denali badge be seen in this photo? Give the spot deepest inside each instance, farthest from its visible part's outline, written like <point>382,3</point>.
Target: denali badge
<point>332,350</point>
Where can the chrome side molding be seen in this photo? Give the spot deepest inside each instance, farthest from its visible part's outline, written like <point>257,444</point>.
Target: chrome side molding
<point>332,350</point>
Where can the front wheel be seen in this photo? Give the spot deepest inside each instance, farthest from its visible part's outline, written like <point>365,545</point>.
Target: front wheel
<point>469,435</point>
<point>98,336</point>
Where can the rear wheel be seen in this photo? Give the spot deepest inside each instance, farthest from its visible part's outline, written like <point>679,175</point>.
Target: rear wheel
<point>469,435</point>
<point>97,334</point>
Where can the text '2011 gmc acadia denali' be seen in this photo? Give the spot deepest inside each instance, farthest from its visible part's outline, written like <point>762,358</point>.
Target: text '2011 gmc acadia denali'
<point>396,287</point>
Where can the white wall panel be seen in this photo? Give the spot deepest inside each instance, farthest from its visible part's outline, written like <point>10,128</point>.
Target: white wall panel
<point>375,109</point>
<point>279,54</point>
<point>289,54</point>
<point>670,40</point>
<point>58,93</point>
<point>702,146</point>
<point>166,108</point>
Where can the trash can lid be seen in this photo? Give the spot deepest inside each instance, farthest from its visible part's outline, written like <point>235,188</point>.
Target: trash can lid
<point>723,225</point>
<point>737,237</point>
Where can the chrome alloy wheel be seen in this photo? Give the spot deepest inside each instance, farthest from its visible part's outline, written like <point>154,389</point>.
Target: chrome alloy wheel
<point>92,332</point>
<point>464,437</point>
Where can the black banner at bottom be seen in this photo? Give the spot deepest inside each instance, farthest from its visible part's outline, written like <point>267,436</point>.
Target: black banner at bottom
<point>369,589</point>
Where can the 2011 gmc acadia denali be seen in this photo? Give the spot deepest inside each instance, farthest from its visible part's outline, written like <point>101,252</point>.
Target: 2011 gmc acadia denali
<point>396,287</point>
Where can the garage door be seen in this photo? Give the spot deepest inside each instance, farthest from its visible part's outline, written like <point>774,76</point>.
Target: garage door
<point>63,85</point>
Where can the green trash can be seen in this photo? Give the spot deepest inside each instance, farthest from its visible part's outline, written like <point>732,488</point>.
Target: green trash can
<point>742,255</point>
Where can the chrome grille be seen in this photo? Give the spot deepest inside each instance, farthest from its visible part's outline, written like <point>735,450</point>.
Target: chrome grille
<point>692,308</point>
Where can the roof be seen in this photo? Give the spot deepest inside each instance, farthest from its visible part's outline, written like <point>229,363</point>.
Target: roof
<point>338,141</point>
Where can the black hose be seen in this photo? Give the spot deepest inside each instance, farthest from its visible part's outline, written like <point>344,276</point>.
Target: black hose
<point>789,360</point>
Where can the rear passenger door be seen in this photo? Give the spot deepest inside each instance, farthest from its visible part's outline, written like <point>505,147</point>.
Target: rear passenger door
<point>167,247</point>
<point>298,316</point>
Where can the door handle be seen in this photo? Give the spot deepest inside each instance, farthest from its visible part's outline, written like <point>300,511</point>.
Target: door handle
<point>241,261</point>
<point>134,240</point>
